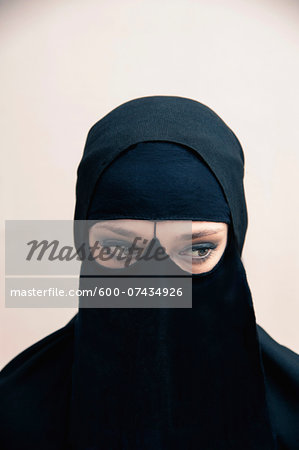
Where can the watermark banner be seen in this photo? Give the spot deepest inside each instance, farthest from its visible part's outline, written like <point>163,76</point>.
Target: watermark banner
<point>98,264</point>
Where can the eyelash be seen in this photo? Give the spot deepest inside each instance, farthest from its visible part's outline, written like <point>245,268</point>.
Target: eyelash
<point>112,243</point>
<point>205,246</point>
<point>198,260</point>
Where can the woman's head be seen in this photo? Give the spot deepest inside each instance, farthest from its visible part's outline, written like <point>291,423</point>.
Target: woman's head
<point>172,361</point>
<point>163,158</point>
<point>160,190</point>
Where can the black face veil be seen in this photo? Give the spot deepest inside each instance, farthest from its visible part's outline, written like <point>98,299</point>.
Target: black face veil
<point>157,378</point>
<point>169,378</point>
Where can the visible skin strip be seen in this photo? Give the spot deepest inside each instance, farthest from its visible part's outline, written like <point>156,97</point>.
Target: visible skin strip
<point>195,246</point>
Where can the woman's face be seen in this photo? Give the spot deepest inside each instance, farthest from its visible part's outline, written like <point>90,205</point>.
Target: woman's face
<point>195,246</point>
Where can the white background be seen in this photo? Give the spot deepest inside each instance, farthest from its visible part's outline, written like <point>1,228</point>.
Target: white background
<point>65,64</point>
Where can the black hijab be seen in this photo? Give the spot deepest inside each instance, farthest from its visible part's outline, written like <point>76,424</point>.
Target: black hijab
<point>173,119</point>
<point>158,378</point>
<point>162,378</point>
<point>169,378</point>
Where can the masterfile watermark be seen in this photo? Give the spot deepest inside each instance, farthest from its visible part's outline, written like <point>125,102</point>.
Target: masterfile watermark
<point>60,263</point>
<point>54,251</point>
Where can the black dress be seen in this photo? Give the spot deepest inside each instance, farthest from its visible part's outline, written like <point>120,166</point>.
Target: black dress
<point>158,379</point>
<point>36,393</point>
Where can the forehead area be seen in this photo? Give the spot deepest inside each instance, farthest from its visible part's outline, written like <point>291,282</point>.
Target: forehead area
<point>178,227</point>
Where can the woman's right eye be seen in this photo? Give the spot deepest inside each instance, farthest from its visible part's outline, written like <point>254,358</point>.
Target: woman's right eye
<point>113,246</point>
<point>113,253</point>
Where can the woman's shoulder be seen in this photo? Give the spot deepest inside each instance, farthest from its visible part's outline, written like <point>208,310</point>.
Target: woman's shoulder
<point>35,352</point>
<point>281,370</point>
<point>34,393</point>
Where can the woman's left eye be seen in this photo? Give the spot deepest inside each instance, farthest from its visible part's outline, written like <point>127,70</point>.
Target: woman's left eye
<point>200,251</point>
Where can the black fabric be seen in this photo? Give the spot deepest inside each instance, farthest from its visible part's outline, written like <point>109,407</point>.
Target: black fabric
<point>158,378</point>
<point>164,118</point>
<point>190,378</point>
<point>35,393</point>
<point>159,180</point>
<point>173,378</point>
<point>281,367</point>
<point>38,379</point>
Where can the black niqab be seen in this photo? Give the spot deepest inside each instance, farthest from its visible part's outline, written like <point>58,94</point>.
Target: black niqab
<point>159,181</point>
<point>173,119</point>
<point>190,378</point>
<point>205,377</point>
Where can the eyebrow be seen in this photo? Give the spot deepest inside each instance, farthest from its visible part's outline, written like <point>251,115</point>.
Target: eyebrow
<point>128,233</point>
<point>119,230</point>
<point>201,233</point>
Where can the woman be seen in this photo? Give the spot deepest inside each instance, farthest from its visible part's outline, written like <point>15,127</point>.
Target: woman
<point>158,375</point>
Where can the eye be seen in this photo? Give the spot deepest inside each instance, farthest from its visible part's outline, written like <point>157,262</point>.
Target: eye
<point>199,252</point>
<point>113,246</point>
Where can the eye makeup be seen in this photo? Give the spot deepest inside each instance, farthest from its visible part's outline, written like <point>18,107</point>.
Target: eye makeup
<point>197,254</point>
<point>195,251</point>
